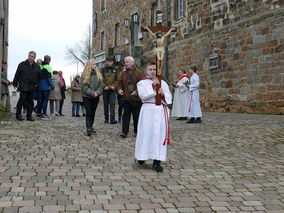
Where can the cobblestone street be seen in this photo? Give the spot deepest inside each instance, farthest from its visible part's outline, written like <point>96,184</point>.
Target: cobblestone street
<point>228,163</point>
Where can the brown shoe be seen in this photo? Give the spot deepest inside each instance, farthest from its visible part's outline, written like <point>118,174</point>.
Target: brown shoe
<point>123,135</point>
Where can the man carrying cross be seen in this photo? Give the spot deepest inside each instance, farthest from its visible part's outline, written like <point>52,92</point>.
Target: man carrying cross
<point>153,126</point>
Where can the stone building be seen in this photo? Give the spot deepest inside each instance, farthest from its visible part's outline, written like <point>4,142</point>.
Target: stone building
<point>236,45</point>
<point>3,34</point>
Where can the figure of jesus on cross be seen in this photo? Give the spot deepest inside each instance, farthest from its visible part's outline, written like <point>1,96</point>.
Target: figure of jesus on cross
<point>156,32</point>
<point>159,50</point>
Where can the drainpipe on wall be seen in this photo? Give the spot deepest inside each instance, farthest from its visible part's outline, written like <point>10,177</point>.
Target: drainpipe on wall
<point>166,43</point>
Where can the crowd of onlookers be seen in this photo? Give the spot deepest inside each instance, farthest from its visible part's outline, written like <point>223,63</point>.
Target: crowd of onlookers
<point>39,86</point>
<point>37,81</point>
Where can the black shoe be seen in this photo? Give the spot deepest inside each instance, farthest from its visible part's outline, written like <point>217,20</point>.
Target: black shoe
<point>191,121</point>
<point>141,162</point>
<point>93,131</point>
<point>180,118</point>
<point>89,132</point>
<point>84,115</point>
<point>61,115</point>
<point>198,120</point>
<point>30,119</point>
<point>157,166</point>
<point>184,118</point>
<point>73,115</point>
<point>19,118</point>
<point>106,121</point>
<point>78,115</point>
<point>113,122</point>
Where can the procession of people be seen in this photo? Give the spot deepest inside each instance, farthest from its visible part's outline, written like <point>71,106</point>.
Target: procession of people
<point>151,120</point>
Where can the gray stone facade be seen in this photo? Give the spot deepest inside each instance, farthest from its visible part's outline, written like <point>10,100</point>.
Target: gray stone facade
<point>236,45</point>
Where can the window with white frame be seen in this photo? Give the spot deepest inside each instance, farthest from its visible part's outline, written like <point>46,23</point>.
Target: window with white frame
<point>102,40</point>
<point>134,29</point>
<point>179,9</point>
<point>117,35</point>
<point>103,5</point>
<point>154,14</point>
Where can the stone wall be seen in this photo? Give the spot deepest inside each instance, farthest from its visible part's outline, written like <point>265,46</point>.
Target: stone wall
<point>3,37</point>
<point>248,38</point>
<point>245,36</point>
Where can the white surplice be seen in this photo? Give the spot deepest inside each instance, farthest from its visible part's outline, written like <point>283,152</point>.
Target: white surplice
<point>193,109</point>
<point>153,124</point>
<point>180,97</point>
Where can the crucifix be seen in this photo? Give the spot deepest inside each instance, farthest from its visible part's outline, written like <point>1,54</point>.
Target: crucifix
<point>156,32</point>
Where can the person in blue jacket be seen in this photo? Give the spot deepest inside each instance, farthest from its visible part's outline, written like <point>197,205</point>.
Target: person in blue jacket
<point>46,85</point>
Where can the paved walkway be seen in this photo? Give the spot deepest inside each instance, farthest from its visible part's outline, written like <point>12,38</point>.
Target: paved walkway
<point>229,163</point>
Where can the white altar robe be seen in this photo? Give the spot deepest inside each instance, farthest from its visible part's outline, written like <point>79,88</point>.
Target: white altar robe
<point>153,129</point>
<point>180,97</point>
<point>193,109</point>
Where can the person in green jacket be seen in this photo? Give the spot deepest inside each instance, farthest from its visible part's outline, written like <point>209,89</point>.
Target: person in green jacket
<point>92,87</point>
<point>110,76</point>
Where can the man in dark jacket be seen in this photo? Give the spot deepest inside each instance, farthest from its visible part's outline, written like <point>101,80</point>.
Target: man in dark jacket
<point>127,87</point>
<point>25,80</point>
<point>110,76</point>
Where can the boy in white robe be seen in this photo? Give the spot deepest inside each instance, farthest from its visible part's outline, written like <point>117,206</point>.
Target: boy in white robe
<point>180,96</point>
<point>193,109</point>
<point>153,125</point>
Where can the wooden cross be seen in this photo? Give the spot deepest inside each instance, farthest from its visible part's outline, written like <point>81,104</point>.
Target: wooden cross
<point>159,50</point>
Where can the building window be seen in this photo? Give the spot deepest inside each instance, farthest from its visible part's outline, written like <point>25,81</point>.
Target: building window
<point>117,35</point>
<point>213,62</point>
<point>102,40</point>
<point>179,9</point>
<point>103,5</point>
<point>95,23</point>
<point>154,14</point>
<point>134,32</point>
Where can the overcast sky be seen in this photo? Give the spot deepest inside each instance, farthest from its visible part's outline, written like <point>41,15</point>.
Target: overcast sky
<point>47,27</point>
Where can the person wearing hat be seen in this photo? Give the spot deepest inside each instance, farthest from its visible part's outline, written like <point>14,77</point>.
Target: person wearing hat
<point>127,87</point>
<point>110,77</point>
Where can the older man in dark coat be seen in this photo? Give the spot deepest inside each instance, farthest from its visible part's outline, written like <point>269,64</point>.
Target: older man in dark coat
<point>25,80</point>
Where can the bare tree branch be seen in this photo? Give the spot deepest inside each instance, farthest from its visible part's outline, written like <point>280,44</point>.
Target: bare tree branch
<point>81,52</point>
